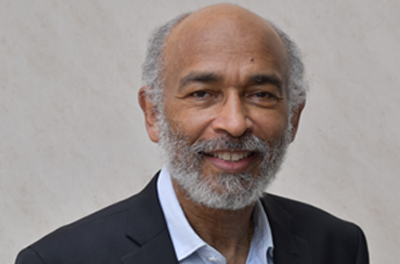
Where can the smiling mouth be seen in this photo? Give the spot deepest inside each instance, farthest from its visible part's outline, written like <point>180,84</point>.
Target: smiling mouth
<point>230,156</point>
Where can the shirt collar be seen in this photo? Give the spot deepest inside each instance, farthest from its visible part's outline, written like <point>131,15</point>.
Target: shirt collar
<point>261,243</point>
<point>186,241</point>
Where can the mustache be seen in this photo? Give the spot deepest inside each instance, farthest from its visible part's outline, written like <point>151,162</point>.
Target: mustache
<point>247,142</point>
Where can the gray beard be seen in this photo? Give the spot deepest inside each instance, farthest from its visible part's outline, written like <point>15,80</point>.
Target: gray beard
<point>224,190</point>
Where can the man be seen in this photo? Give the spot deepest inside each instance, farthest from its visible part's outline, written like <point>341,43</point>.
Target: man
<point>223,96</point>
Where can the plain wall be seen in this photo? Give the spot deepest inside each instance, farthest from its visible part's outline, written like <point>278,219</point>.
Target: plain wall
<point>72,136</point>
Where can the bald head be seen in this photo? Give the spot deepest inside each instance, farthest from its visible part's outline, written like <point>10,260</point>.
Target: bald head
<point>215,28</point>
<point>223,28</point>
<point>225,20</point>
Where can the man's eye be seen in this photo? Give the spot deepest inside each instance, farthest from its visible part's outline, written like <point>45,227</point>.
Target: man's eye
<point>200,94</point>
<point>265,95</point>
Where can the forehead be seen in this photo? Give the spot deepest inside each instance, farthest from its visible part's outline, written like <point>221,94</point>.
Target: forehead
<point>224,34</point>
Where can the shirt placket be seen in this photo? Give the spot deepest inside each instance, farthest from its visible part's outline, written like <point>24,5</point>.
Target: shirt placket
<point>211,256</point>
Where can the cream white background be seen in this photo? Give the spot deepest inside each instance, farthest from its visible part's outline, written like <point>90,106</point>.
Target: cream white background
<point>72,138</point>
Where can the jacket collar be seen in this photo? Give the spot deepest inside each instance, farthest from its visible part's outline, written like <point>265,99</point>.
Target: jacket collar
<point>150,232</point>
<point>288,248</point>
<point>149,229</point>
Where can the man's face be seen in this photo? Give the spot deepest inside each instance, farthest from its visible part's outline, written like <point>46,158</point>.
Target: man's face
<point>225,104</point>
<point>222,190</point>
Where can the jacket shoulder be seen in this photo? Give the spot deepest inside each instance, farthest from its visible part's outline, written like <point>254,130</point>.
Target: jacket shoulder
<point>328,237</point>
<point>102,237</point>
<point>87,236</point>
<point>302,214</point>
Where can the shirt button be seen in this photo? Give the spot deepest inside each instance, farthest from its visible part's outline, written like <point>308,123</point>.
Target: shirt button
<point>213,259</point>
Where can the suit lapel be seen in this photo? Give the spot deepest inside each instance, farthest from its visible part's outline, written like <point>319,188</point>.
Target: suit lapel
<point>288,248</point>
<point>156,251</point>
<point>147,227</point>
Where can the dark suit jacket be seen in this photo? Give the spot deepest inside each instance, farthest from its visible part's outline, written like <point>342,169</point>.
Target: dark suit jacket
<point>134,231</point>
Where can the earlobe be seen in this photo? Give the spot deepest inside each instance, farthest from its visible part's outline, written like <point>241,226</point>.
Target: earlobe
<point>150,114</point>
<point>295,119</point>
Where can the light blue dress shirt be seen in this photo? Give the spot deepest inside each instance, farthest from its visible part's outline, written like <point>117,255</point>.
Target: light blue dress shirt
<point>191,249</point>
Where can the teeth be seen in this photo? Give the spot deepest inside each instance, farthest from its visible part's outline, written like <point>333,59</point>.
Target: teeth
<point>236,157</point>
<point>230,156</point>
<point>226,156</point>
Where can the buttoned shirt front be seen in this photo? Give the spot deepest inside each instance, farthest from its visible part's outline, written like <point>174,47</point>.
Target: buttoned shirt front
<point>191,249</point>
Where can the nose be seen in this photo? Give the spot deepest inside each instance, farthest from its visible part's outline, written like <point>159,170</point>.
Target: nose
<point>232,117</point>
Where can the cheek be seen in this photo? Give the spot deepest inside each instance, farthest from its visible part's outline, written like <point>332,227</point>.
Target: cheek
<point>270,127</point>
<point>192,124</point>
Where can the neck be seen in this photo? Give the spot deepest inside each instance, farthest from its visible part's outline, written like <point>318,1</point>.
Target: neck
<point>228,231</point>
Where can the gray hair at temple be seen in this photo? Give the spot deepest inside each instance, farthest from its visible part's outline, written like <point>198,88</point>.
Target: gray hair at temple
<point>297,86</point>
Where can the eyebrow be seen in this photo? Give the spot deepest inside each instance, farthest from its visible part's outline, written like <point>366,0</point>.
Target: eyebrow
<point>209,77</point>
<point>266,79</point>
<point>202,77</point>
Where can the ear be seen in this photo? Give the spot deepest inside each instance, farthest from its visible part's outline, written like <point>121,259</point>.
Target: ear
<point>150,114</point>
<point>295,119</point>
